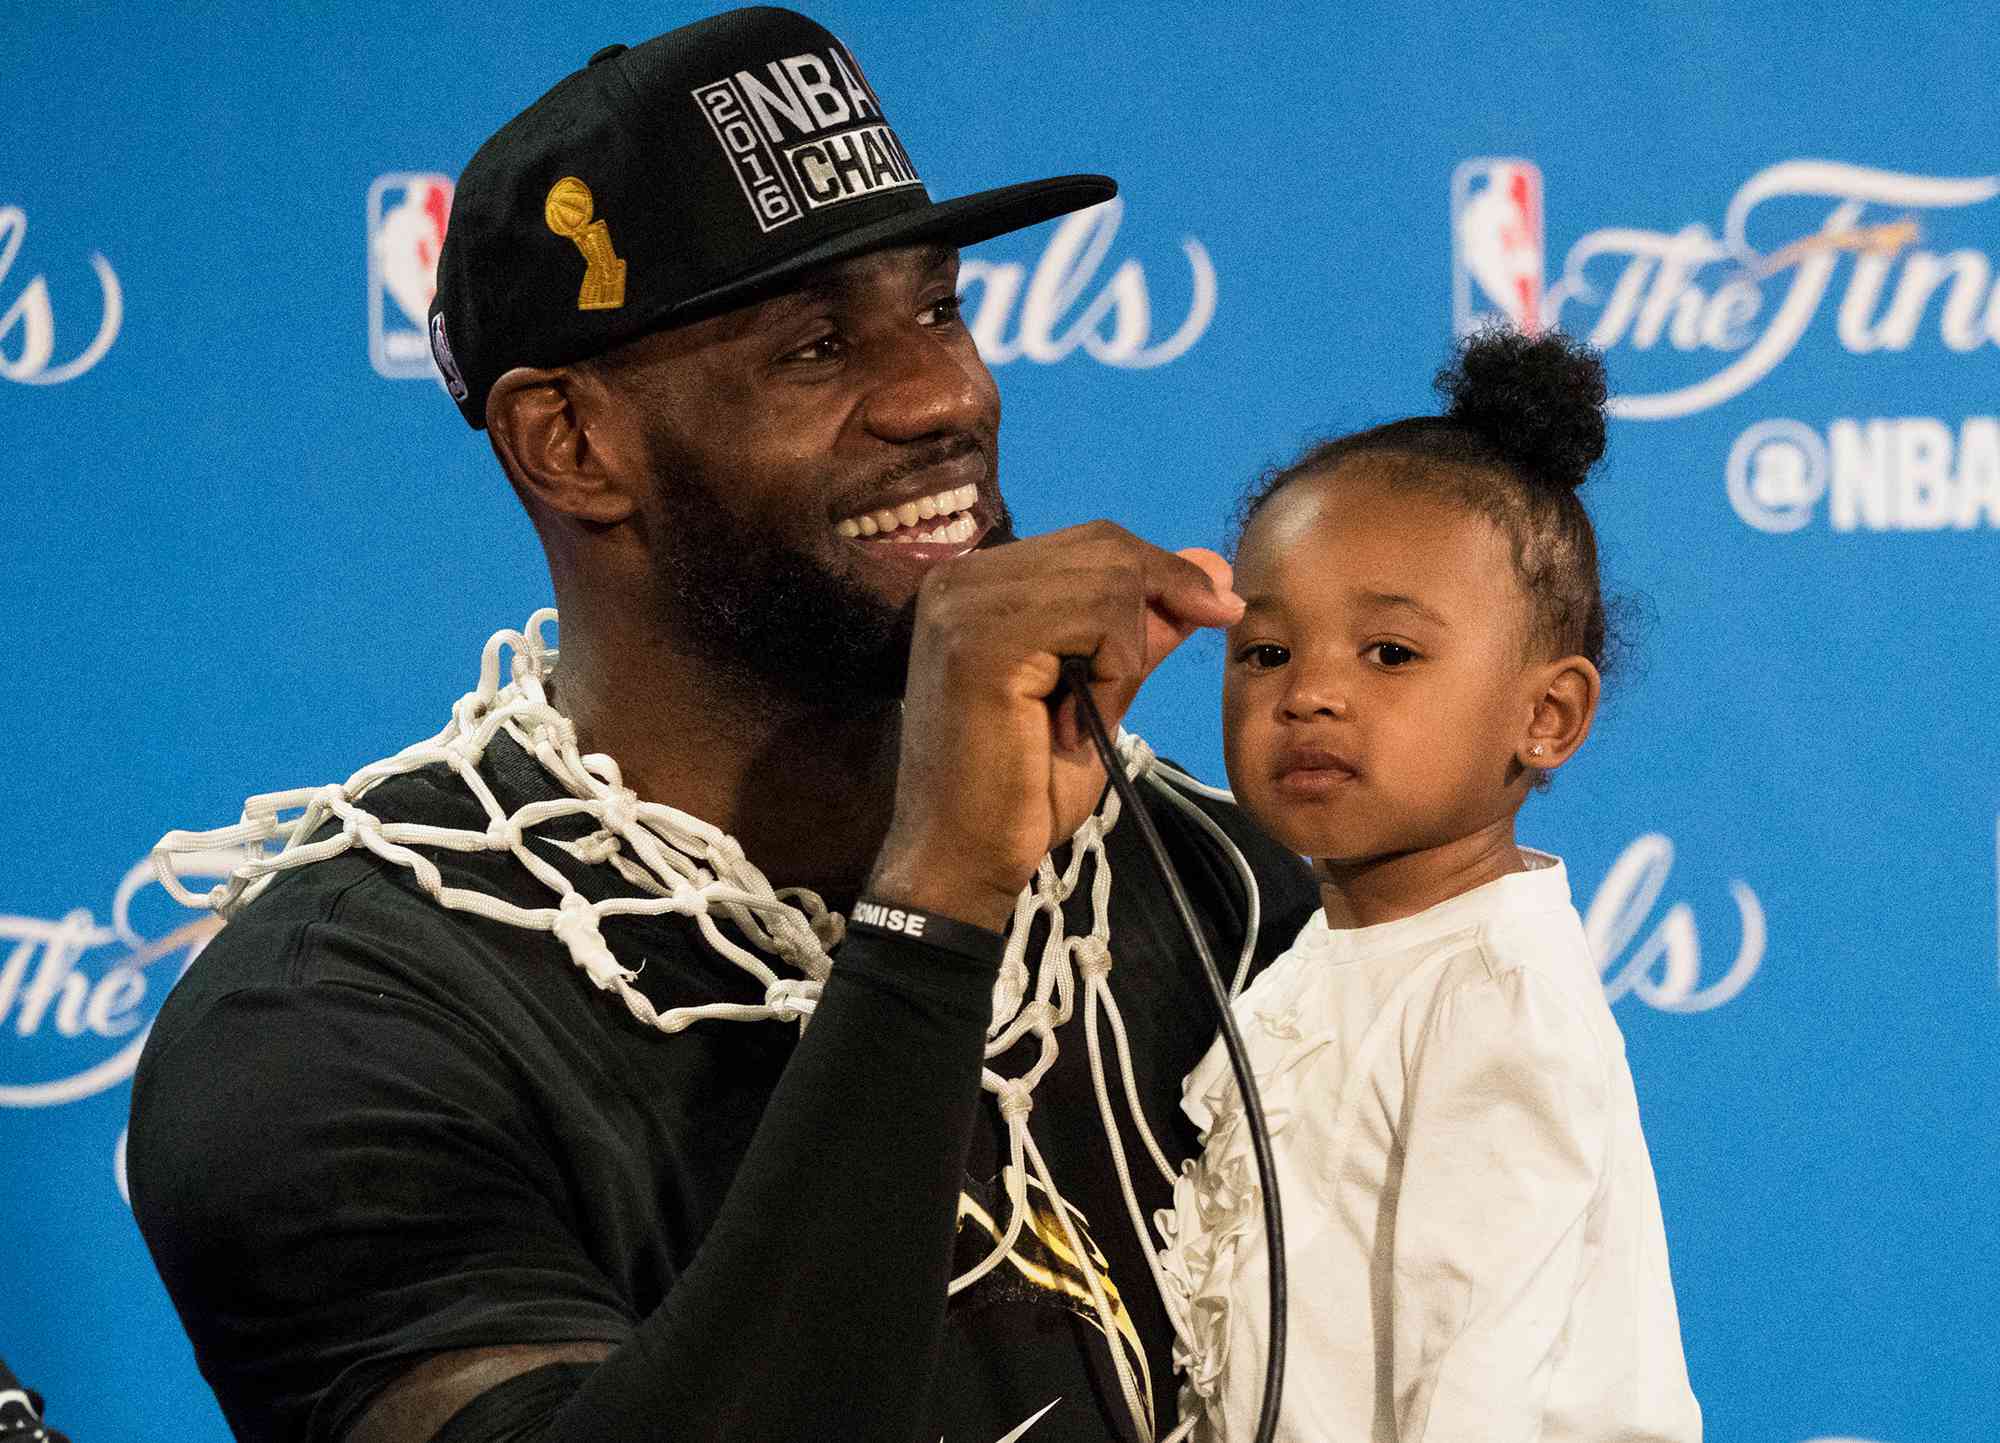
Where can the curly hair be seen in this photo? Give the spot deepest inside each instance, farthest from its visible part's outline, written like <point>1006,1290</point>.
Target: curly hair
<point>1522,428</point>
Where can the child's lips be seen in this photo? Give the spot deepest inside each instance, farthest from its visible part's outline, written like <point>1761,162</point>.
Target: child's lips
<point>1312,771</point>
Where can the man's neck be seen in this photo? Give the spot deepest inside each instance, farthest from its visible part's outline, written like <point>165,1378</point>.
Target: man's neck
<point>805,789</point>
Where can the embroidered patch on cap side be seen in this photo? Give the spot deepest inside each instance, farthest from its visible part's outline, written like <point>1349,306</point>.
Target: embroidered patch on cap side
<point>446,364</point>
<point>568,211</point>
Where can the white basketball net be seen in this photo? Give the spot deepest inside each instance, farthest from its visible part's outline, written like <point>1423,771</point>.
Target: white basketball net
<point>683,865</point>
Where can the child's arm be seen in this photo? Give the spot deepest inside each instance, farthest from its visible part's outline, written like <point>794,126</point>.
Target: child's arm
<point>1505,1129</point>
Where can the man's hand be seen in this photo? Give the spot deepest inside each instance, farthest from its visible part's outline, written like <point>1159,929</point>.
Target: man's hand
<point>991,776</point>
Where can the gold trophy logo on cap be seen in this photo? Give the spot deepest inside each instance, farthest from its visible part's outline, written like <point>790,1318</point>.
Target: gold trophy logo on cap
<point>568,211</point>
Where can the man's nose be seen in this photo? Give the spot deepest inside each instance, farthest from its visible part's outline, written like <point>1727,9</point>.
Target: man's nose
<point>928,387</point>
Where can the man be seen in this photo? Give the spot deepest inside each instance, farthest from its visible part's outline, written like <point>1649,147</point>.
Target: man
<point>407,1171</point>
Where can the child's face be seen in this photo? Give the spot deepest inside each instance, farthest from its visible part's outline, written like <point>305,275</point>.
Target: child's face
<point>1377,692</point>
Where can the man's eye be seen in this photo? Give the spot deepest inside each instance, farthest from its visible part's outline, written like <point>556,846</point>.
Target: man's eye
<point>1263,656</point>
<point>943,312</point>
<point>1391,654</point>
<point>828,347</point>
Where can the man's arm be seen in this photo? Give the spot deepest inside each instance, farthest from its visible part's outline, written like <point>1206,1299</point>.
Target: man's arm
<point>819,1293</point>
<point>988,781</point>
<point>814,1305</point>
<point>423,1400</point>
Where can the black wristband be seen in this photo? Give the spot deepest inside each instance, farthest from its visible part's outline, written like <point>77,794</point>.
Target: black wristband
<point>886,919</point>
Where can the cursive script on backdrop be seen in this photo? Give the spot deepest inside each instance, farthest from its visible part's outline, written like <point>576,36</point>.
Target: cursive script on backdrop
<point>31,316</point>
<point>89,983</point>
<point>1663,969</point>
<point>1054,312</point>
<point>1719,294</point>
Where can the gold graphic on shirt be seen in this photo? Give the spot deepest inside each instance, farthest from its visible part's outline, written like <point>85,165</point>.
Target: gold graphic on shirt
<point>1044,1262</point>
<point>568,211</point>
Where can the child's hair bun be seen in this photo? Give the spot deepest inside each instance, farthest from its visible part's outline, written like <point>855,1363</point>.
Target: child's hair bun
<point>1538,401</point>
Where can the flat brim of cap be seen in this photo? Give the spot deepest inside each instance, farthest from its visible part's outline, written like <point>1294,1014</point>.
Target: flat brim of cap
<point>962,222</point>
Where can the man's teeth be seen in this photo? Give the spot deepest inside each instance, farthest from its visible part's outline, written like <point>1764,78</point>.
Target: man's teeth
<point>951,533</point>
<point>905,519</point>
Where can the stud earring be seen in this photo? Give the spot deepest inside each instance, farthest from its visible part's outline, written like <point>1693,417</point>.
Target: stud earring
<point>1535,750</point>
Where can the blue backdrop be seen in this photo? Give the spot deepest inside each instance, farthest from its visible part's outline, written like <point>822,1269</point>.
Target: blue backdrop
<point>249,544</point>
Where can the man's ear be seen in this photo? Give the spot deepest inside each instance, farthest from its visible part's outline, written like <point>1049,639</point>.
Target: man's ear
<point>555,435</point>
<point>1563,707</point>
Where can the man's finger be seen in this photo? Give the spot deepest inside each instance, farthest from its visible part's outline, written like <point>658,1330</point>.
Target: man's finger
<point>1200,596</point>
<point>1191,589</point>
<point>1220,574</point>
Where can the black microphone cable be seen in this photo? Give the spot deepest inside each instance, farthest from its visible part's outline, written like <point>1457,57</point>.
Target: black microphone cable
<point>1076,679</point>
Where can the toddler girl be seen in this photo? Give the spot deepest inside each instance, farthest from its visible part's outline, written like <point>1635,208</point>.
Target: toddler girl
<point>1473,1231</point>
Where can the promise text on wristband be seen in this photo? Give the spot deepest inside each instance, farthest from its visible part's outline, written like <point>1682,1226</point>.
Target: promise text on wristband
<point>896,920</point>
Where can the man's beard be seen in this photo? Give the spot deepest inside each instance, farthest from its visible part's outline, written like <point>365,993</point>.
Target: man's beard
<point>767,613</point>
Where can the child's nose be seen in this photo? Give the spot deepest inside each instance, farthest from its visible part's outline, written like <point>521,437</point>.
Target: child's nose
<point>1310,697</point>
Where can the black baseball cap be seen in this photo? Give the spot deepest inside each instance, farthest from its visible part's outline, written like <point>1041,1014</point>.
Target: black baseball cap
<point>666,182</point>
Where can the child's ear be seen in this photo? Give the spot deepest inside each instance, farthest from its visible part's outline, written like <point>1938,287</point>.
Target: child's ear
<point>1564,705</point>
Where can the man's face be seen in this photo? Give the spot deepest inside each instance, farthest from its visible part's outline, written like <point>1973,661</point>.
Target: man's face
<point>815,455</point>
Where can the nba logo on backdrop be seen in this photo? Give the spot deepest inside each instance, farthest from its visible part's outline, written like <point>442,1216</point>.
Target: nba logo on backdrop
<point>407,215</point>
<point>1497,245</point>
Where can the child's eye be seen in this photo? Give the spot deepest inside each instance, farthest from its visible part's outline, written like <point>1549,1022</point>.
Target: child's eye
<point>1391,654</point>
<point>1263,656</point>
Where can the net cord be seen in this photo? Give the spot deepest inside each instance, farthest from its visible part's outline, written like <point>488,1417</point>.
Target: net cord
<point>1076,671</point>
<point>685,866</point>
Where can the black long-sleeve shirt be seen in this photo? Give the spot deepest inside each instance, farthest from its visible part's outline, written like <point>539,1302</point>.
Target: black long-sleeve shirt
<point>367,1129</point>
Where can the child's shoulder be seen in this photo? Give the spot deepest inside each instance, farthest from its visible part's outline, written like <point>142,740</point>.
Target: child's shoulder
<point>1522,965</point>
<point>1518,999</point>
<point>1515,945</point>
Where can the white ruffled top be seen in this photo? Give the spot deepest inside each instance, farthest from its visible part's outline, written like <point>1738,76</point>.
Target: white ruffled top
<point>1473,1231</point>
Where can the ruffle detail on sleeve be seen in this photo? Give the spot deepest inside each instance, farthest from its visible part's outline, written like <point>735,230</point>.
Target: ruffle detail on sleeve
<point>1215,1214</point>
<point>1217,1217</point>
<point>1268,1016</point>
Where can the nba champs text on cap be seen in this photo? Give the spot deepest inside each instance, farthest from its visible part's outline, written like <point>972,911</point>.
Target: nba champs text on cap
<point>705,169</point>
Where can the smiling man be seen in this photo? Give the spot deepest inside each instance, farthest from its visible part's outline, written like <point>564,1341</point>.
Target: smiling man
<point>492,1114</point>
